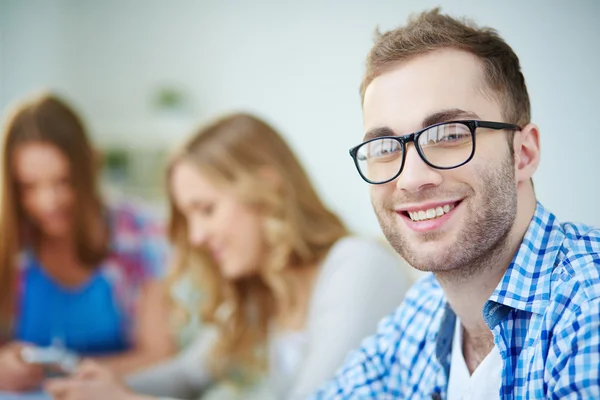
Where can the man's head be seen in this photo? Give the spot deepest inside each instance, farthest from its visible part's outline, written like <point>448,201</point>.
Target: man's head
<point>434,70</point>
<point>430,31</point>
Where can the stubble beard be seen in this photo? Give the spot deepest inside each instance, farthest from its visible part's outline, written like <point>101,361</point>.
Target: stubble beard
<point>485,231</point>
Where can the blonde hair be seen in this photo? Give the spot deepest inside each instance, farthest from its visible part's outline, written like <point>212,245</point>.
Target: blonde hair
<point>46,118</point>
<point>430,31</point>
<point>236,153</point>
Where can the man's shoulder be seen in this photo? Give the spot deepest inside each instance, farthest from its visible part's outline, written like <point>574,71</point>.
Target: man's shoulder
<point>578,264</point>
<point>580,240</point>
<point>425,290</point>
<point>421,309</point>
<point>571,318</point>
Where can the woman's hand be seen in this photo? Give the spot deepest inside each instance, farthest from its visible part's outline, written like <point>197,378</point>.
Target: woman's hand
<point>90,382</point>
<point>17,375</point>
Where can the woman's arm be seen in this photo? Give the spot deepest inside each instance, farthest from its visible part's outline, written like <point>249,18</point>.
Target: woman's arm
<point>15,374</point>
<point>360,283</point>
<point>90,382</point>
<point>153,341</point>
<point>184,377</point>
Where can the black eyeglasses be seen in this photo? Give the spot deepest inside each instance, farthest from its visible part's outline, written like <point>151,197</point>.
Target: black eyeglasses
<point>446,145</point>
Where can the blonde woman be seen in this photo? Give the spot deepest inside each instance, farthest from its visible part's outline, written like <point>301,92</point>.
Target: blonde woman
<point>286,290</point>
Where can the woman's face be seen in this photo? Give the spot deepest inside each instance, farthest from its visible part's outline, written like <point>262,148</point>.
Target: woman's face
<point>230,230</point>
<point>43,178</point>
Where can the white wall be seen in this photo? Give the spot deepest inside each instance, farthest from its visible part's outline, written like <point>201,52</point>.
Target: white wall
<point>298,64</point>
<point>32,47</point>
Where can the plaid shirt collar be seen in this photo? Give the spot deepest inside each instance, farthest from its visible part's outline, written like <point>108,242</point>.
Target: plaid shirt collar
<point>526,283</point>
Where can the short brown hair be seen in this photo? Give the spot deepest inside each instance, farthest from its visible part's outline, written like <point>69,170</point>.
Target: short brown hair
<point>431,31</point>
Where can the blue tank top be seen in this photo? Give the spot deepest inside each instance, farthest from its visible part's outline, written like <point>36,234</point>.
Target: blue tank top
<point>85,319</point>
<point>99,316</point>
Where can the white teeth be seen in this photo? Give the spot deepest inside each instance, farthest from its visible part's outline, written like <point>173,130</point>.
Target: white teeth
<point>431,213</point>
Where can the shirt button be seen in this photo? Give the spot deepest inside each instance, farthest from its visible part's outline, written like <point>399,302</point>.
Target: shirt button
<point>436,396</point>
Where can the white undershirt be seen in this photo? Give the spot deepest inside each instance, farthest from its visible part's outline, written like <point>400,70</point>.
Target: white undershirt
<point>486,379</point>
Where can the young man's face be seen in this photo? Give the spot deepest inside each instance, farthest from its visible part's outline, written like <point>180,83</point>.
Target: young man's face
<point>481,196</point>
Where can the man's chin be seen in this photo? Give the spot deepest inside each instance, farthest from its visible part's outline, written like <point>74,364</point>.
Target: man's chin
<point>435,259</point>
<point>432,267</point>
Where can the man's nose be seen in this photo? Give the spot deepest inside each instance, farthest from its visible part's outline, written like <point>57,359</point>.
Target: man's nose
<point>416,174</point>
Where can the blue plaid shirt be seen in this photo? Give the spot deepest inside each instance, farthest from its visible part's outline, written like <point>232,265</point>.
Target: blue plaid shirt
<point>544,314</point>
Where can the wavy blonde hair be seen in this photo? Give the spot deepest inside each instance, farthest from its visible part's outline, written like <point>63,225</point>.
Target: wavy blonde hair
<point>237,153</point>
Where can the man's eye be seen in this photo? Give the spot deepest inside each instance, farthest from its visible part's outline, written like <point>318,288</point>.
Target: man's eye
<point>451,137</point>
<point>384,147</point>
<point>386,151</point>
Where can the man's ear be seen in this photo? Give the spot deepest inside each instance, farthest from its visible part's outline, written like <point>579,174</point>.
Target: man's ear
<point>526,147</point>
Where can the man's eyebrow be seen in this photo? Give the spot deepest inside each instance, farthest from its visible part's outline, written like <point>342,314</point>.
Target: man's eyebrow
<point>452,114</point>
<point>378,132</point>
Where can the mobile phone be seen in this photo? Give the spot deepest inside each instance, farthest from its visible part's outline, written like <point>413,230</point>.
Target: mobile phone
<point>58,360</point>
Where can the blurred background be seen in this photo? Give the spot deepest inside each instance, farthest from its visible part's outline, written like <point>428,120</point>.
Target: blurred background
<point>144,73</point>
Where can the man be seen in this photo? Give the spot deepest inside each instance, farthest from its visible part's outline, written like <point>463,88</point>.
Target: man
<point>512,307</point>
